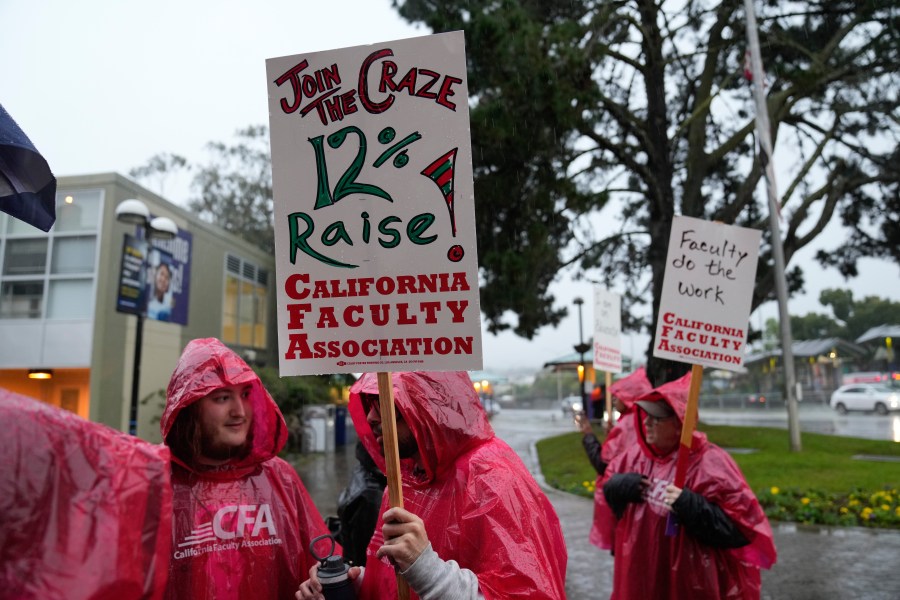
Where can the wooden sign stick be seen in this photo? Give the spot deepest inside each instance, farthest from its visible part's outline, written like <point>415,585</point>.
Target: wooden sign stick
<point>391,456</point>
<point>687,434</point>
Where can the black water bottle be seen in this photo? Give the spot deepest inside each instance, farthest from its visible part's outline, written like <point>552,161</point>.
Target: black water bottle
<point>336,584</point>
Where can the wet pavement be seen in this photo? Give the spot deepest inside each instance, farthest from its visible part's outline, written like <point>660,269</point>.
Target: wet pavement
<point>814,563</point>
<point>813,418</point>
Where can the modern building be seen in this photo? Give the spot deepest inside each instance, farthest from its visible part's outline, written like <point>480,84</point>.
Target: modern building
<point>61,294</point>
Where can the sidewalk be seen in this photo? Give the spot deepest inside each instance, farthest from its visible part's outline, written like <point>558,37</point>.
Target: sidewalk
<point>814,563</point>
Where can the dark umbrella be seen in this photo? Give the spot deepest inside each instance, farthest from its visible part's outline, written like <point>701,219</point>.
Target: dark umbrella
<point>27,187</point>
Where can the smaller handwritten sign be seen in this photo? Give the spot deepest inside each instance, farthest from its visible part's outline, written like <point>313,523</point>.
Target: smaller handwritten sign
<point>707,293</point>
<point>607,331</point>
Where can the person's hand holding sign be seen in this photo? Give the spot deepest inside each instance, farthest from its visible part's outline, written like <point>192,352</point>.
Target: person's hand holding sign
<point>671,496</point>
<point>404,538</point>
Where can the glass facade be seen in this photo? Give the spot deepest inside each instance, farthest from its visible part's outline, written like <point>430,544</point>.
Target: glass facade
<point>244,313</point>
<point>51,275</point>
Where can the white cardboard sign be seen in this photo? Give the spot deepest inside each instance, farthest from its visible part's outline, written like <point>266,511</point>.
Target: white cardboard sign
<point>707,292</point>
<point>376,260</point>
<point>607,331</point>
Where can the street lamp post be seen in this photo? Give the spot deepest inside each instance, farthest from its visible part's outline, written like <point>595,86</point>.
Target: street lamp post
<point>581,348</point>
<point>136,213</point>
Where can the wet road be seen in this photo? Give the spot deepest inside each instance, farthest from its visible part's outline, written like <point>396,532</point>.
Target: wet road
<point>814,563</point>
<point>814,418</point>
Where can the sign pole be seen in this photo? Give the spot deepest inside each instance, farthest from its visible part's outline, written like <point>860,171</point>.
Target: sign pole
<point>610,420</point>
<point>391,456</point>
<point>778,269</point>
<point>687,434</point>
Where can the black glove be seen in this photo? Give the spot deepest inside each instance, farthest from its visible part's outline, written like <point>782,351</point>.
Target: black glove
<point>623,488</point>
<point>707,522</point>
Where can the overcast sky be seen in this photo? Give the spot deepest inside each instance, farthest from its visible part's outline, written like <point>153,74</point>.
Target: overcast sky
<point>102,86</point>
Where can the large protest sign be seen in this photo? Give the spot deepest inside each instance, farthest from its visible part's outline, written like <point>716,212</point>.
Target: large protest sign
<point>707,293</point>
<point>607,331</point>
<point>374,209</point>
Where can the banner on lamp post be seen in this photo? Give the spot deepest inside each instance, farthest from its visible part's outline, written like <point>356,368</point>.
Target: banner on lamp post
<point>131,296</point>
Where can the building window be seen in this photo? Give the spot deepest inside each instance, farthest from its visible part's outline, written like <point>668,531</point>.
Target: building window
<point>70,299</point>
<point>244,314</point>
<point>73,255</point>
<point>60,265</point>
<point>21,300</point>
<point>25,257</point>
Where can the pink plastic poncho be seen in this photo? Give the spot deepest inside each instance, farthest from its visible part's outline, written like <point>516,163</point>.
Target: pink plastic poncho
<point>243,530</point>
<point>648,564</point>
<point>86,509</point>
<point>620,438</point>
<point>481,506</point>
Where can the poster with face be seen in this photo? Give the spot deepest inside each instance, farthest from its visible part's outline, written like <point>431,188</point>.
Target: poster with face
<point>707,292</point>
<point>169,278</point>
<point>376,260</point>
<point>154,279</point>
<point>160,301</point>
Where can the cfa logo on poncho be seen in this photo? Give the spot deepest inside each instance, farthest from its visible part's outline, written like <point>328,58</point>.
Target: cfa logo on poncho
<point>236,521</point>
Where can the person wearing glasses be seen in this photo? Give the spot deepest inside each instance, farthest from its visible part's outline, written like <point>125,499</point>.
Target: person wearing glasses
<point>723,537</point>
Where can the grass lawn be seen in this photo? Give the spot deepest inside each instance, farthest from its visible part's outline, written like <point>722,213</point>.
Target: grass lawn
<point>823,483</point>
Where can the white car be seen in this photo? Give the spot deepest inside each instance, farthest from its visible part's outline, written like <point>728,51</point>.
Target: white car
<point>865,396</point>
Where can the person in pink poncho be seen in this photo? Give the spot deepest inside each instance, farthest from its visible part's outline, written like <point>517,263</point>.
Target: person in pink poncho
<point>242,519</point>
<point>723,538</point>
<point>87,510</point>
<point>621,437</point>
<point>474,522</point>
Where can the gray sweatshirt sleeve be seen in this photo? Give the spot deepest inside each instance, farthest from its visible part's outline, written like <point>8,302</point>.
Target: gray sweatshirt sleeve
<point>433,578</point>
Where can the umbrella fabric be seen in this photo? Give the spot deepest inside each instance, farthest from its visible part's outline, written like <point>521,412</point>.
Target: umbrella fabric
<point>27,187</point>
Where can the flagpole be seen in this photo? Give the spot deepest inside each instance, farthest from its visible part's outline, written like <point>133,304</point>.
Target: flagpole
<point>765,142</point>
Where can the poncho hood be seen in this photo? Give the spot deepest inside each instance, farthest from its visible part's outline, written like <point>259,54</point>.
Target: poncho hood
<point>630,388</point>
<point>207,365</point>
<point>442,410</point>
<point>675,394</point>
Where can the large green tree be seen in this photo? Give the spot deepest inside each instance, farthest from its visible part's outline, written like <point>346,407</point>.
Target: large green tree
<point>849,318</point>
<point>859,316</point>
<point>234,189</point>
<point>642,105</point>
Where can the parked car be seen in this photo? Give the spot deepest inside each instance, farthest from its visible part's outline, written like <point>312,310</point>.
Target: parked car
<point>865,396</point>
<point>571,405</point>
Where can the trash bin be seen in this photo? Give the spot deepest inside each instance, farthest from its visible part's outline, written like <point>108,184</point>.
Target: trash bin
<point>340,426</point>
<point>318,428</point>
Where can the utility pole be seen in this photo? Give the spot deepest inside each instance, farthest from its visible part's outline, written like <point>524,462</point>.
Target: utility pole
<point>765,142</point>
<point>581,348</point>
